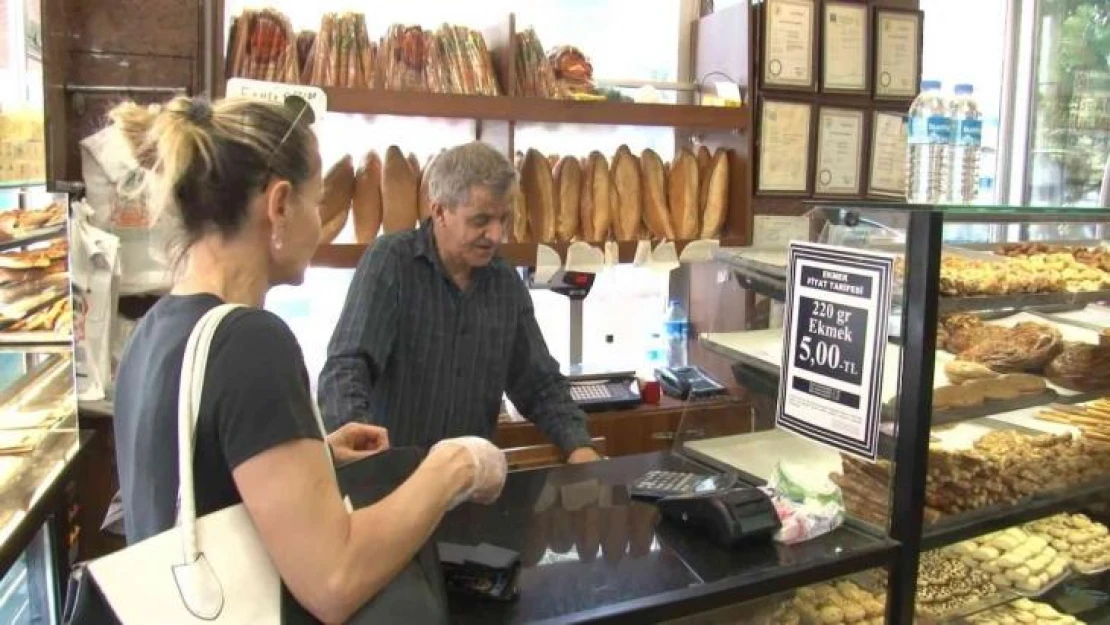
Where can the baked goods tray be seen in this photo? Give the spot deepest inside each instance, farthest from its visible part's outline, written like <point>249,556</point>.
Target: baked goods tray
<point>1090,572</point>
<point>32,237</point>
<point>33,339</point>
<point>1020,301</point>
<point>1000,598</point>
<point>1047,588</point>
<point>987,409</point>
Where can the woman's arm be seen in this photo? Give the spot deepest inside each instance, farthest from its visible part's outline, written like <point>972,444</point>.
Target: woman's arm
<point>334,562</point>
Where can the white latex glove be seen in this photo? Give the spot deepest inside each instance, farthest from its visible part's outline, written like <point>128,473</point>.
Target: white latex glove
<point>490,469</point>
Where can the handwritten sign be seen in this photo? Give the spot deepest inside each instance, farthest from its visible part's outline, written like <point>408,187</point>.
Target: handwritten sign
<point>276,92</point>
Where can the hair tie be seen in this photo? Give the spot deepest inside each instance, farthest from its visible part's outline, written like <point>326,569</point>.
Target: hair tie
<point>199,112</point>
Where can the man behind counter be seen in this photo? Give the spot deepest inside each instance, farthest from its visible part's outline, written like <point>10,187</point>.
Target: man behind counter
<point>436,326</point>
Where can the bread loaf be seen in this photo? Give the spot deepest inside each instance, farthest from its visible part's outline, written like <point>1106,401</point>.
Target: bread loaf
<point>653,178</point>
<point>705,162</point>
<point>339,185</point>
<point>715,209</point>
<point>682,189</point>
<point>424,200</point>
<point>596,199</point>
<point>568,189</point>
<point>629,208</point>
<point>400,188</point>
<point>539,196</point>
<point>553,160</point>
<point>518,217</point>
<point>331,229</point>
<point>414,163</point>
<point>366,204</point>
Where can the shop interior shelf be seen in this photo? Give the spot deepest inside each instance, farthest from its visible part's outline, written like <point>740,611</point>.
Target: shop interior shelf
<point>971,524</point>
<point>37,236</point>
<point>538,110</point>
<point>347,255</point>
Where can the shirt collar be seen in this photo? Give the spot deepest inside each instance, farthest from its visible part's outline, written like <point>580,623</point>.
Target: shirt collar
<point>425,247</point>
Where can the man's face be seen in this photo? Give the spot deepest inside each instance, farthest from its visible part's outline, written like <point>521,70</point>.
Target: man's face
<point>472,232</point>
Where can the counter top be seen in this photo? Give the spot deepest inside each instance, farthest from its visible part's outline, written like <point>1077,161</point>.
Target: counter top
<point>591,554</point>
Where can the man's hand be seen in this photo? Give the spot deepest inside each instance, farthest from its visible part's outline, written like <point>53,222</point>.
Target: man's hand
<point>355,441</point>
<point>583,455</point>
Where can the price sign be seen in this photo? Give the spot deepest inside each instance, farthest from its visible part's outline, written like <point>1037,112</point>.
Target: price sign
<point>275,92</point>
<point>838,308</point>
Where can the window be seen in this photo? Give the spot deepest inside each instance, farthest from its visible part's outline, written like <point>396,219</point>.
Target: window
<point>981,22</point>
<point>1070,134</point>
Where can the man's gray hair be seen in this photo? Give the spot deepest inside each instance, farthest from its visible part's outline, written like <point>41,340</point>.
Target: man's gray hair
<point>456,171</point>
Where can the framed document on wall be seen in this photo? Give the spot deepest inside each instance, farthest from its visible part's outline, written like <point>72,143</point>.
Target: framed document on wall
<point>887,171</point>
<point>789,54</point>
<point>785,131</point>
<point>897,53</point>
<point>839,166</point>
<point>845,47</point>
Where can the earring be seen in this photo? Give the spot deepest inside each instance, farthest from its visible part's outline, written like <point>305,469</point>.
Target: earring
<point>276,240</point>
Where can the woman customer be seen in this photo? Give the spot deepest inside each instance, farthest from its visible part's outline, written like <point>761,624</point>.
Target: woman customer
<point>242,179</point>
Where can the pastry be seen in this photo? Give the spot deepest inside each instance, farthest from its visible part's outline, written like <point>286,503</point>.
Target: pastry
<point>1081,367</point>
<point>961,371</point>
<point>1026,347</point>
<point>996,389</point>
<point>963,396</point>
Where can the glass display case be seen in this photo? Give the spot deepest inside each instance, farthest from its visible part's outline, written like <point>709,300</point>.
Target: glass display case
<point>991,470</point>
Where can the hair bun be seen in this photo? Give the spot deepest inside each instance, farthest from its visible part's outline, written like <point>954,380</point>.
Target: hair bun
<point>199,111</point>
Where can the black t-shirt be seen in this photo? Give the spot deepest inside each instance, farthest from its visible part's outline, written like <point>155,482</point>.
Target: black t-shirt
<point>256,396</point>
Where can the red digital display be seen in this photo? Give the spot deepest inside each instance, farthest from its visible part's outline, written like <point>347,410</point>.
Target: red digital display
<point>581,280</point>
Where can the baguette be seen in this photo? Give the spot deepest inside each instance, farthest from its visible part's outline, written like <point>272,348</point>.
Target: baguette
<point>629,204</point>
<point>366,204</point>
<point>705,165</point>
<point>715,209</point>
<point>568,189</point>
<point>400,188</point>
<point>424,200</point>
<point>657,216</point>
<point>539,196</point>
<point>682,190</point>
<point>518,217</point>
<point>596,199</point>
<point>553,160</point>
<point>414,163</point>
<point>339,186</point>
<point>331,229</point>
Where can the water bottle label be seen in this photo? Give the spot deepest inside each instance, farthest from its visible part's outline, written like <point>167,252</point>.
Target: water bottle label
<point>970,132</point>
<point>934,129</point>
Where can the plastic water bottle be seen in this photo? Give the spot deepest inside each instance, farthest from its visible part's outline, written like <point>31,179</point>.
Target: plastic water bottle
<point>676,329</point>
<point>967,141</point>
<point>656,352</point>
<point>930,134</point>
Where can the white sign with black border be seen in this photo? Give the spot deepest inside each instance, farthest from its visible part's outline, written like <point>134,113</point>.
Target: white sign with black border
<point>834,342</point>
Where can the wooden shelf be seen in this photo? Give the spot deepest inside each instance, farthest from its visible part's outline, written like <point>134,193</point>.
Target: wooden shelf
<point>347,255</point>
<point>536,110</point>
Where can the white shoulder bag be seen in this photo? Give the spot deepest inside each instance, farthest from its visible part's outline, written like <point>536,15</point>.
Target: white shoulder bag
<point>212,570</point>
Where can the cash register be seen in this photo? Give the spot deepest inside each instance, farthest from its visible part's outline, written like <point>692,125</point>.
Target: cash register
<point>598,392</point>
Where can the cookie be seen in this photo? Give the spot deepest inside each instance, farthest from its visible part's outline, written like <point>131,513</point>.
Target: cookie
<point>964,396</point>
<point>1026,383</point>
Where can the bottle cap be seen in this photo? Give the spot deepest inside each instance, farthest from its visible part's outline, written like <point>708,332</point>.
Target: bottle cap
<point>930,85</point>
<point>965,89</point>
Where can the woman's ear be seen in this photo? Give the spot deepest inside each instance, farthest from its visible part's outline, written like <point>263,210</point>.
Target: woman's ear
<point>278,197</point>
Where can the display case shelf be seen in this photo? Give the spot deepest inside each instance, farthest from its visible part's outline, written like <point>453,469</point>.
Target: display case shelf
<point>537,110</point>
<point>33,237</point>
<point>347,255</point>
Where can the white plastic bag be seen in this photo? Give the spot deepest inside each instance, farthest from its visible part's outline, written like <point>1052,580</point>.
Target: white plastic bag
<point>95,271</point>
<point>114,189</point>
<point>808,505</point>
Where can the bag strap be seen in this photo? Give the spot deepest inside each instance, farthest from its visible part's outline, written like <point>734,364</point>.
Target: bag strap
<point>193,368</point>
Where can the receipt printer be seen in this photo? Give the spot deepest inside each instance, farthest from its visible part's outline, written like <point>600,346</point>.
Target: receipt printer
<point>485,571</point>
<point>728,518</point>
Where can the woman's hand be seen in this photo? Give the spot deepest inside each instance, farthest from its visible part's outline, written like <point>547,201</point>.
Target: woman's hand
<point>355,441</point>
<point>485,466</point>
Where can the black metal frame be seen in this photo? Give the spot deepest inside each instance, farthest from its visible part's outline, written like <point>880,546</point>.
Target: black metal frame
<point>915,406</point>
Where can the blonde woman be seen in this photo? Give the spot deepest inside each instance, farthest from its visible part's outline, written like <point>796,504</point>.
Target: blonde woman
<point>242,179</point>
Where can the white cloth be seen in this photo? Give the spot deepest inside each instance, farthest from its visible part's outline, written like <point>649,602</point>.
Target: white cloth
<point>95,272</point>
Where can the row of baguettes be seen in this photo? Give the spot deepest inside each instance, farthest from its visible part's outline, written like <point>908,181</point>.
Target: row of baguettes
<point>559,199</point>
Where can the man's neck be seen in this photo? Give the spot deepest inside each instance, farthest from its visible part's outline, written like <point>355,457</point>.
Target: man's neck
<point>456,269</point>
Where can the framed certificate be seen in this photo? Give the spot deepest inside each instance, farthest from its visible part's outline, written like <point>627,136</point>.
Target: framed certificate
<point>839,151</point>
<point>845,47</point>
<point>897,54</point>
<point>789,45</point>
<point>785,131</point>
<point>887,171</point>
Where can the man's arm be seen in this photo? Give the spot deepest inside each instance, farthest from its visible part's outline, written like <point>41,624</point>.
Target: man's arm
<point>540,391</point>
<point>362,341</point>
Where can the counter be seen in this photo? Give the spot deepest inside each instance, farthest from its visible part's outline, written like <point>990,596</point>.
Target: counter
<point>590,554</point>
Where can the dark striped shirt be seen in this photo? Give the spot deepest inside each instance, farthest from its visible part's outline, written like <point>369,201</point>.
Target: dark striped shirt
<point>417,355</point>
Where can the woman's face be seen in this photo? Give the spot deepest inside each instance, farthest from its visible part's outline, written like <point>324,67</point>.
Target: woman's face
<point>296,238</point>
